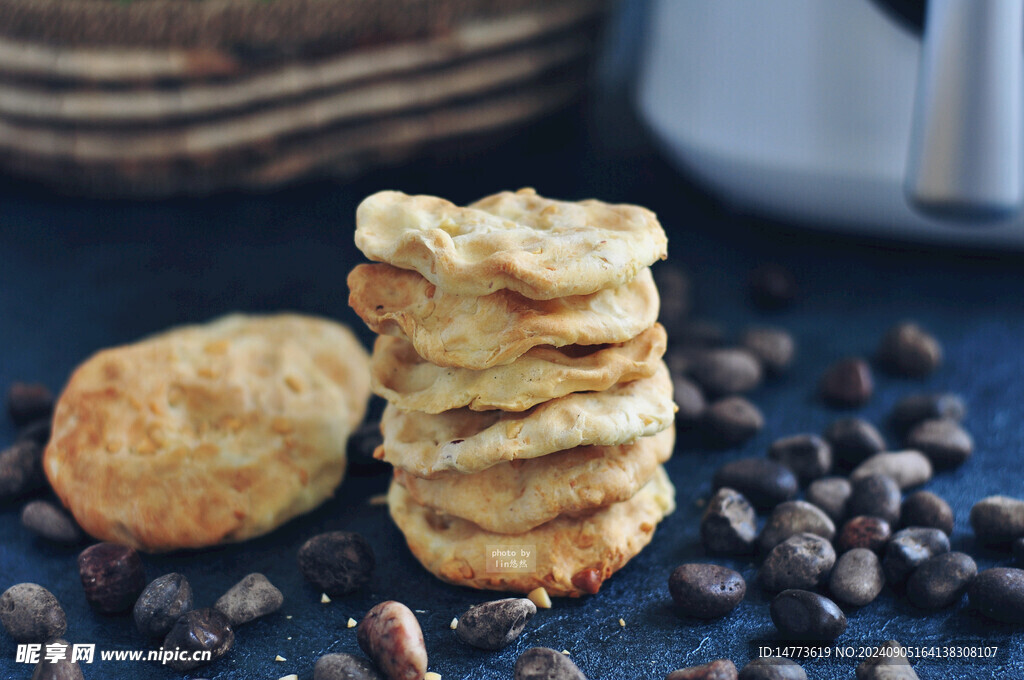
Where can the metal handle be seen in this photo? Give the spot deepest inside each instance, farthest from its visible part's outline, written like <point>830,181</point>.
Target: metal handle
<point>965,152</point>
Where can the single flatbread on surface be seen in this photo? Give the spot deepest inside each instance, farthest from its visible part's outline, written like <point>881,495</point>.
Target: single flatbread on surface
<point>412,383</point>
<point>511,498</point>
<point>536,246</point>
<point>493,330</point>
<point>571,556</point>
<point>462,440</point>
<point>208,434</point>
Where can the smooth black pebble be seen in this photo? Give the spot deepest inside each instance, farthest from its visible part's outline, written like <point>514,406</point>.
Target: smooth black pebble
<point>706,591</point>
<point>763,482</point>
<point>804,615</point>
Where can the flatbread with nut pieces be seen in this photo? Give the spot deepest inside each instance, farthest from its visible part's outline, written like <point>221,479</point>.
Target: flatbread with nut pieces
<point>570,556</point>
<point>519,241</point>
<point>412,383</point>
<point>515,497</point>
<point>208,434</point>
<point>494,330</point>
<point>468,441</point>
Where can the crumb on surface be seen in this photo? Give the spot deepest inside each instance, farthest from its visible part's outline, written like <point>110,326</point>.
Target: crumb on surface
<point>430,675</point>
<point>324,599</point>
<point>539,596</point>
<point>454,624</point>
<point>622,622</point>
<point>351,622</point>
<point>279,658</point>
<point>379,499</point>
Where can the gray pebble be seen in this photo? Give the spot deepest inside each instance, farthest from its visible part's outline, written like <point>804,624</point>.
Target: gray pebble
<point>792,518</point>
<point>889,662</point>
<point>763,482</point>
<point>772,286</point>
<point>729,525</point>
<point>28,401</point>
<point>916,408</point>
<point>908,350</point>
<point>162,602</point>
<point>941,581</point>
<point>722,372</point>
<point>847,383</point>
<point>199,630</point>
<point>773,668</point>
<point>774,348</point>
<point>392,637</point>
<point>337,562</point>
<point>853,440</point>
<point>494,625</point>
<point>63,669</point>
<point>698,333</point>
<point>731,421</point>
<point>47,520</point>
<point>926,509</point>
<point>706,591</point>
<point>542,663</point>
<point>249,599</point>
<point>802,561</point>
<point>863,531</point>
<point>831,494</point>
<point>344,667</point>
<point>907,468</point>
<point>857,578</point>
<point>999,594</point>
<point>876,496</point>
<point>807,455</point>
<point>689,399</point>
<point>719,669</point>
<point>31,613</point>
<point>944,442</point>
<point>998,519</point>
<point>21,470</point>
<point>908,548</point>
<point>805,615</point>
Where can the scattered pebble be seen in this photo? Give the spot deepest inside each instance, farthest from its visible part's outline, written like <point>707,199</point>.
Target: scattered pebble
<point>792,518</point>
<point>722,372</point>
<point>161,603</point>
<point>27,402</point>
<point>62,669</point>
<point>732,421</point>
<point>391,636</point>
<point>802,561</point>
<point>37,431</point>
<point>494,625</point>
<point>112,576</point>
<point>999,594</point>
<point>876,496</point>
<point>720,669</point>
<point>729,525</point>
<point>941,581</point>
<point>706,591</point>
<point>249,599</point>
<point>772,286</point>
<point>689,399</point>
<point>998,519</point>
<point>773,347</point>
<point>907,468</point>
<point>807,455</point>
<point>847,383</point>
<point>344,667</point>
<point>772,668</point>
<point>889,662</point>
<point>864,531</point>
<point>917,408</point>
<point>763,482</point>
<point>31,614</point>
<point>944,442</point>
<point>831,494</point>
<point>199,630</point>
<point>805,615</point>
<point>337,562</point>
<point>45,519</point>
<point>857,578</point>
<point>21,470</point>
<point>542,663</point>
<point>908,350</point>
<point>908,548</point>
<point>925,509</point>
<point>540,597</point>
<point>698,333</point>
<point>853,440</point>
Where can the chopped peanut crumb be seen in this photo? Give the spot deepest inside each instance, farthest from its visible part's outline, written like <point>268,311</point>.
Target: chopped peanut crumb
<point>379,499</point>
<point>540,597</point>
<point>454,624</point>
<point>324,599</point>
<point>279,658</point>
<point>351,623</point>
<point>431,676</point>
<point>622,623</point>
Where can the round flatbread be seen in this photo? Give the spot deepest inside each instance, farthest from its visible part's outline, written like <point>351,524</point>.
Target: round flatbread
<point>412,383</point>
<point>470,441</point>
<point>493,330</point>
<point>511,498</point>
<point>567,556</point>
<point>536,246</point>
<point>208,434</point>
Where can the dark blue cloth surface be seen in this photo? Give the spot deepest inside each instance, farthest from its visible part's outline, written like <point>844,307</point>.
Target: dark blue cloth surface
<point>80,275</point>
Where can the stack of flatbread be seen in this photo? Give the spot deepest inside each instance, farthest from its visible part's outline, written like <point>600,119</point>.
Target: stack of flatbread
<point>529,409</point>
